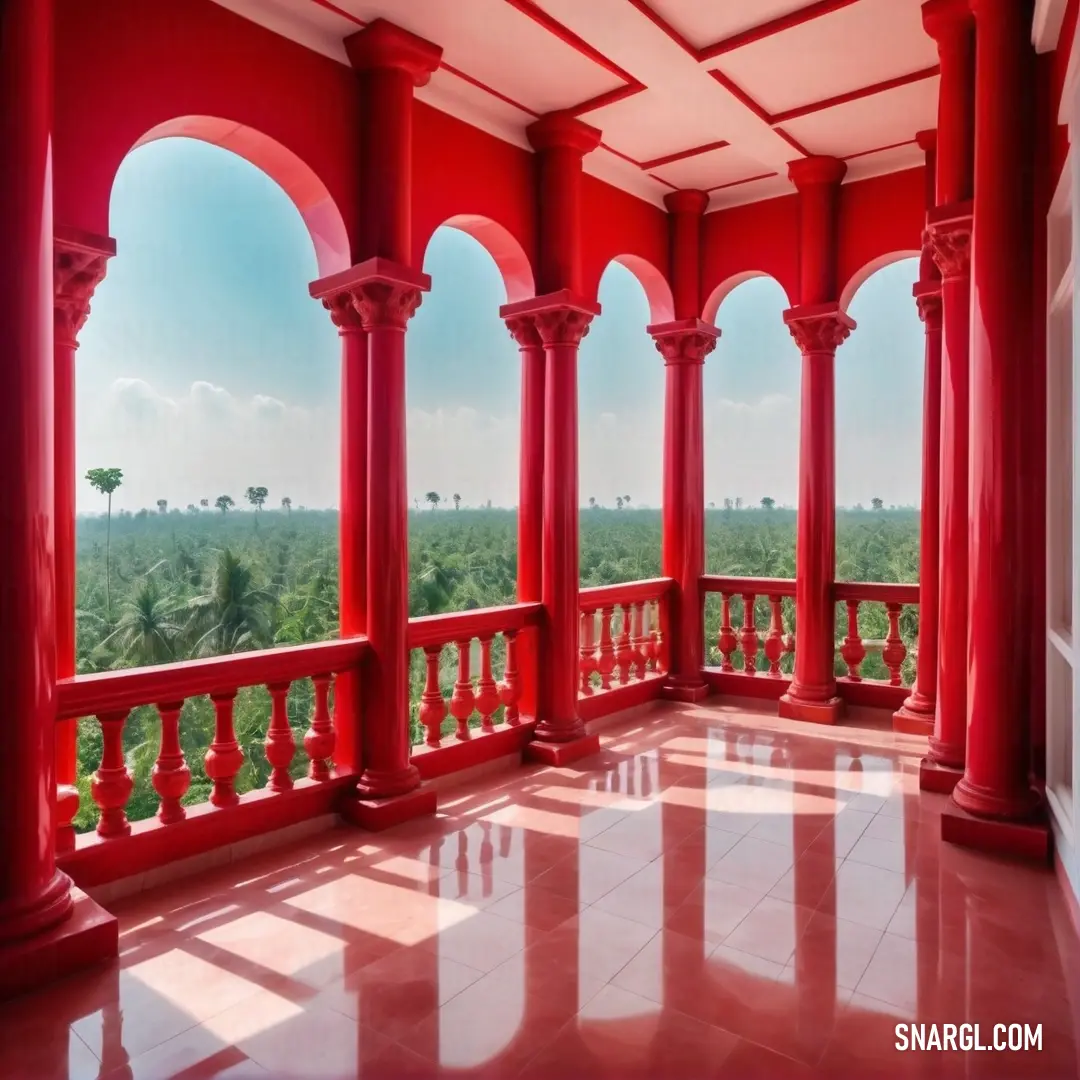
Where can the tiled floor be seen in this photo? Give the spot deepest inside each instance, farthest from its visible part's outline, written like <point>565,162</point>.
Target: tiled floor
<point>718,894</point>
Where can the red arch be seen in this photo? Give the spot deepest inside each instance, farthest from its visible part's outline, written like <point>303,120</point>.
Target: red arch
<point>297,179</point>
<point>503,247</point>
<point>657,289</point>
<point>727,286</point>
<point>856,281</point>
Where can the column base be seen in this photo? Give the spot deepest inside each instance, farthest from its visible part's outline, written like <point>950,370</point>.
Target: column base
<point>1030,839</point>
<point>374,784</point>
<point>562,753</point>
<point>690,690</point>
<point>828,711</point>
<point>986,803</point>
<point>909,719</point>
<point>938,778</point>
<point>88,937</point>
<point>378,814</point>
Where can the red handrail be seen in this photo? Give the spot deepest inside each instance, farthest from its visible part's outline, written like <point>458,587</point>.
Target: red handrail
<point>481,622</point>
<point>117,691</point>
<point>885,592</point>
<point>759,586</point>
<point>630,592</point>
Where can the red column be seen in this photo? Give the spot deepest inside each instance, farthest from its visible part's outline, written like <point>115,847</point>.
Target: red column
<point>818,327</point>
<point>560,318</point>
<point>684,346</point>
<point>352,522</point>
<point>995,782</point>
<point>916,715</point>
<point>530,499</point>
<point>950,23</point>
<point>38,937</point>
<point>79,262</point>
<point>385,291</point>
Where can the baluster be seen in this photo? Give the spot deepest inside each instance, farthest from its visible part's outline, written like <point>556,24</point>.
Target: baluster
<point>510,687</point>
<point>463,699</point>
<point>774,640</point>
<point>606,662</point>
<point>624,654</point>
<point>748,638</point>
<point>112,784</point>
<point>587,651</point>
<point>662,659</point>
<point>487,693</point>
<point>895,651</point>
<point>638,639</point>
<point>726,641</point>
<point>432,705</point>
<point>852,650</point>
<point>279,744</point>
<point>320,738</point>
<point>224,759</point>
<point>652,638</point>
<point>170,776</point>
<point>67,806</point>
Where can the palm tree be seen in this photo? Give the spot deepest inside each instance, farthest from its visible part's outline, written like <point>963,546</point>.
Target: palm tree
<point>592,502</point>
<point>767,503</point>
<point>457,501</point>
<point>162,506</point>
<point>626,500</point>
<point>224,503</point>
<point>618,502</point>
<point>147,630</point>
<point>106,481</point>
<point>204,503</point>
<point>433,498</point>
<point>286,503</point>
<point>877,504</point>
<point>234,614</point>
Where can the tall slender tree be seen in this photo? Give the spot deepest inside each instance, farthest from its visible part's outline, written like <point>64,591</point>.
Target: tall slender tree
<point>107,481</point>
<point>434,498</point>
<point>224,503</point>
<point>457,501</point>
<point>286,504</point>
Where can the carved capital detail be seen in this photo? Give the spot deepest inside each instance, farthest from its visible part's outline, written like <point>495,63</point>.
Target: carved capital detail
<point>523,330</point>
<point>343,313</point>
<point>685,346</point>
<point>77,271</point>
<point>819,332</point>
<point>386,303</point>
<point>950,244</point>
<point>562,325</point>
<point>929,305</point>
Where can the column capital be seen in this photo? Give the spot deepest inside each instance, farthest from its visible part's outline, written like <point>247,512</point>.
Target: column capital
<point>523,330</point>
<point>560,131</point>
<point>928,300</point>
<point>383,46</point>
<point>926,140</point>
<point>950,228</point>
<point>818,328</point>
<point>946,20</point>
<point>560,318</point>
<point>687,201</point>
<point>685,341</point>
<point>79,264</point>
<point>815,171</point>
<point>381,293</point>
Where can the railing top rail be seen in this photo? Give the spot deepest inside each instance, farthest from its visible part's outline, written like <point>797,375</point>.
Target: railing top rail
<point>121,691</point>
<point>462,625</point>
<point>759,586</point>
<point>628,592</point>
<point>887,592</point>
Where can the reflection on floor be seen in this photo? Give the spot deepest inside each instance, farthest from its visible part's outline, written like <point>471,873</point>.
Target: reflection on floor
<point>718,894</point>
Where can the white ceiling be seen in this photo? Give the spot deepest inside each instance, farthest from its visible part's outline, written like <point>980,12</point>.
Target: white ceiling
<point>668,79</point>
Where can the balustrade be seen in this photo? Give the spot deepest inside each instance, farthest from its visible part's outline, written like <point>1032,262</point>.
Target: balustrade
<point>621,639</point>
<point>111,697</point>
<point>753,627</point>
<point>476,705</point>
<point>878,619</point>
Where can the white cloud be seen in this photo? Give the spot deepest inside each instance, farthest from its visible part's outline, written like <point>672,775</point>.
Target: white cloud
<point>210,442</point>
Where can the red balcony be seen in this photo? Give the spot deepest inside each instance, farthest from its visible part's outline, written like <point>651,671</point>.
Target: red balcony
<point>692,825</point>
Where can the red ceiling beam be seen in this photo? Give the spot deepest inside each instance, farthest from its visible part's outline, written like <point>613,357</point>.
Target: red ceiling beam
<point>880,149</point>
<point>738,183</point>
<point>681,155</point>
<point>817,10</point>
<point>855,95</point>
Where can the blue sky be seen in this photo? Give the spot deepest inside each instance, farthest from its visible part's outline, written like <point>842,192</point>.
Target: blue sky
<point>205,366</point>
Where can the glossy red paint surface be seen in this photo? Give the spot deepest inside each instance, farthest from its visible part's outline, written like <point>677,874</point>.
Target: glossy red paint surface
<point>33,896</point>
<point>995,782</point>
<point>705,898</point>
